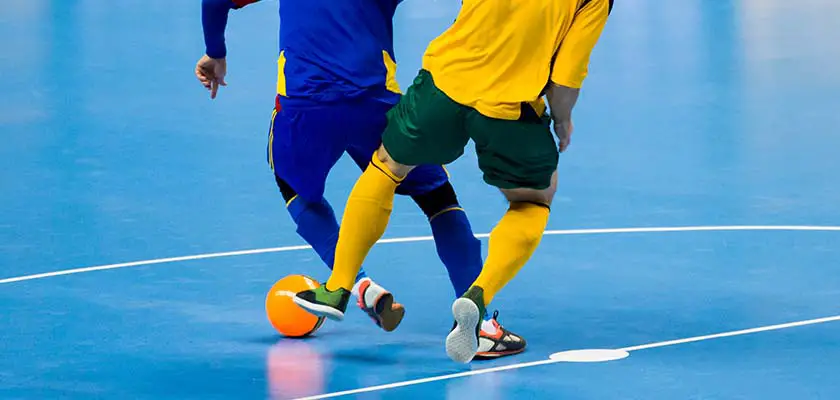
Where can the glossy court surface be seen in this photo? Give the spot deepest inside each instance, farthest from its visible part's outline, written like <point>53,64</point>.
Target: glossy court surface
<point>720,117</point>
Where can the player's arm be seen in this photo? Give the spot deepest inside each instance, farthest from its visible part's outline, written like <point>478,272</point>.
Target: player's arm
<point>214,17</point>
<point>571,65</point>
<point>212,67</point>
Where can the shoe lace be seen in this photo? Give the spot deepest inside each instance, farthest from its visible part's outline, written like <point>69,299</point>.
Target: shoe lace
<point>496,315</point>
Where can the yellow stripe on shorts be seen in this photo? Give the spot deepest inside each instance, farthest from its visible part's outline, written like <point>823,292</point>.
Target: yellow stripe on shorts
<point>271,140</point>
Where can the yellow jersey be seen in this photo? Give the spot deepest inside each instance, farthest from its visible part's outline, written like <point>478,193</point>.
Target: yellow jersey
<point>501,53</point>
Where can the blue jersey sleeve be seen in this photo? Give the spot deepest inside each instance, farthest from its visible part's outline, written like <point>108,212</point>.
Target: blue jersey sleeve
<point>214,16</point>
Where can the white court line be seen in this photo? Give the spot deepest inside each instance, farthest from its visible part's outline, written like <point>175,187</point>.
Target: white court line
<point>151,262</point>
<point>429,238</point>
<point>422,239</point>
<point>733,333</point>
<point>546,362</point>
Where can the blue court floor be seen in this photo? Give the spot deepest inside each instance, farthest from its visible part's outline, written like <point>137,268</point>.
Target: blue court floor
<point>717,117</point>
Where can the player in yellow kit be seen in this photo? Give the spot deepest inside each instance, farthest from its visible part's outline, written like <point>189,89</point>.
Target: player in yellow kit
<point>483,79</point>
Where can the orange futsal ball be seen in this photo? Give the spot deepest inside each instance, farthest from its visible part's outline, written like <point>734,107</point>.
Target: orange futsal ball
<point>286,316</point>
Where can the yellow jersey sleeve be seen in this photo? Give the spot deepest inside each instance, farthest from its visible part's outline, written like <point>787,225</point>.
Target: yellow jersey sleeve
<point>571,63</point>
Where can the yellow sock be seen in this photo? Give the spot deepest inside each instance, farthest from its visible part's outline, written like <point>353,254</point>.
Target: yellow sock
<point>512,242</point>
<point>365,219</point>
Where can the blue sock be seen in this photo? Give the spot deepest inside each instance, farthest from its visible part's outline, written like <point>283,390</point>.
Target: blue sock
<point>317,225</point>
<point>457,248</point>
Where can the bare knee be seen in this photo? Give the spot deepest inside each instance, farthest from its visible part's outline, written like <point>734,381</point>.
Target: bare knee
<point>541,196</point>
<point>396,168</point>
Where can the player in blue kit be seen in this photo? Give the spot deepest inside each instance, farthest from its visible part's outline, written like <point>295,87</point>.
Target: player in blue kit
<point>335,84</point>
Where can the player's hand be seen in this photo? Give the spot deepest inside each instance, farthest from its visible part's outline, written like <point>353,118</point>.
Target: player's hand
<point>563,130</point>
<point>211,73</point>
<point>561,101</point>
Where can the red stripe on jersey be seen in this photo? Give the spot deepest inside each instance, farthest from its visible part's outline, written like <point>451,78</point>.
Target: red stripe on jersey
<point>243,3</point>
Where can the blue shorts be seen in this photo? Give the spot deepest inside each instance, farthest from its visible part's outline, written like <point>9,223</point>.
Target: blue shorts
<point>305,143</point>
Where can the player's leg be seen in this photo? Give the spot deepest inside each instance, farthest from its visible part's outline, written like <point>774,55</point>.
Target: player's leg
<point>520,158</point>
<point>303,146</point>
<point>456,245</point>
<point>315,221</point>
<point>364,124</point>
<point>458,249</point>
<point>426,127</point>
<point>429,187</point>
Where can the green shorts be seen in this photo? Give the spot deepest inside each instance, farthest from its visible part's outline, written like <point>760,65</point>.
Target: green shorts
<point>427,127</point>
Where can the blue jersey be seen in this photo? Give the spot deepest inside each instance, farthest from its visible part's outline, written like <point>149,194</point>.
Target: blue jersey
<point>330,50</point>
